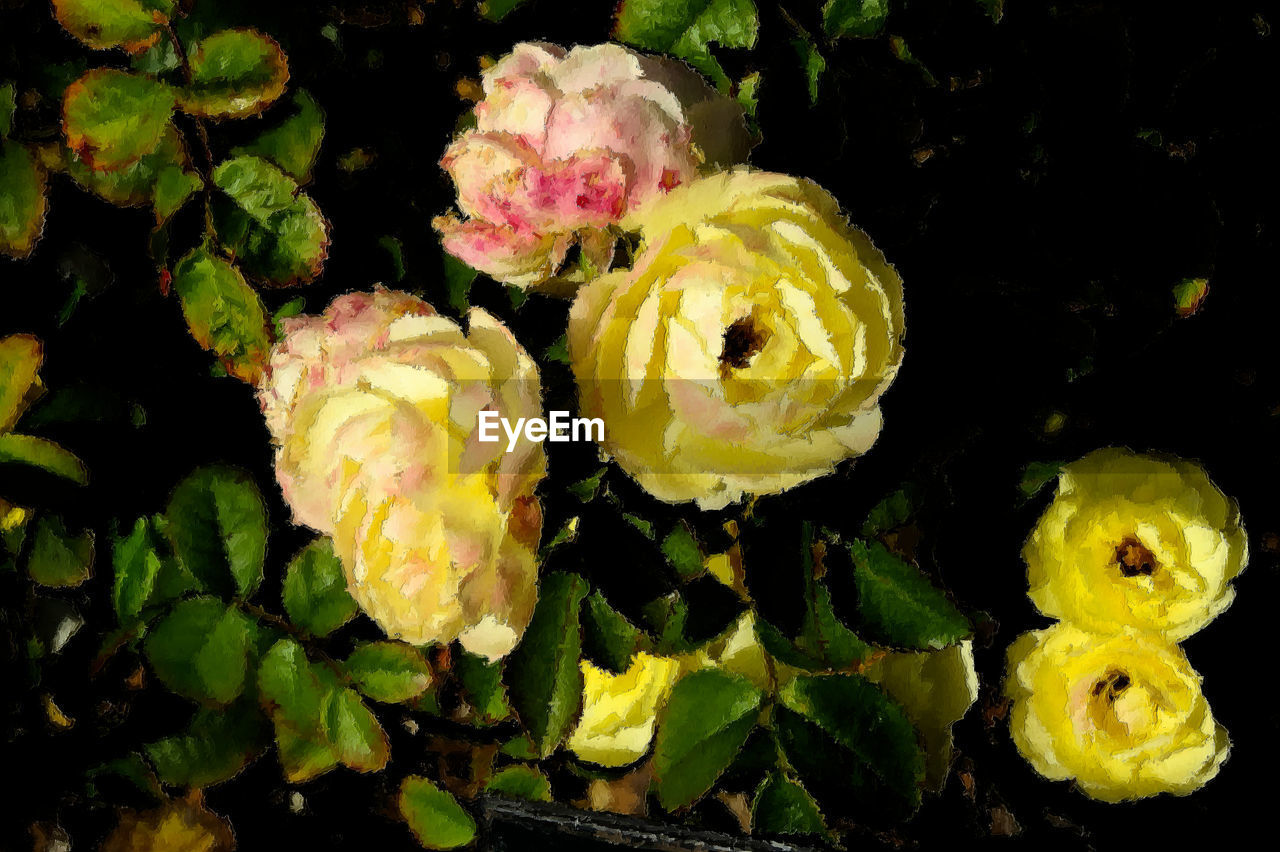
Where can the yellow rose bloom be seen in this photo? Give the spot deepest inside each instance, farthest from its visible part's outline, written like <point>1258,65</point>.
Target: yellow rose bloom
<point>747,349</point>
<point>619,711</point>
<point>1136,541</point>
<point>374,407</point>
<point>1120,714</point>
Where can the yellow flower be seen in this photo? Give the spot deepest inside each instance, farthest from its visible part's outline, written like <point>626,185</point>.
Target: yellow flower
<point>1133,540</point>
<point>619,710</point>
<point>178,826</point>
<point>1121,714</point>
<point>374,407</point>
<point>747,349</point>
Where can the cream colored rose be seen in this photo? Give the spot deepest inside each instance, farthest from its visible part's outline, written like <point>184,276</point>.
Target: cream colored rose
<point>1120,714</point>
<point>1133,540</point>
<point>747,349</point>
<point>374,408</point>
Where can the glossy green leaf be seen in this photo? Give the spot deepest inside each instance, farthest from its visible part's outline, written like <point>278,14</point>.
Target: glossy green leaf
<point>276,232</point>
<point>481,684</point>
<point>520,782</point>
<point>879,755</point>
<point>496,10</point>
<point>234,73</point>
<point>700,731</point>
<point>102,24</point>
<point>303,756</point>
<point>200,650</point>
<point>434,815</point>
<point>146,574</point>
<point>163,178</point>
<point>44,454</point>
<point>23,199</point>
<point>892,512</point>
<point>858,18</point>
<point>290,690</point>
<point>215,747</point>
<point>59,557</point>
<point>357,739</point>
<point>218,526</point>
<point>781,806</point>
<point>899,605</point>
<point>315,590</point>
<point>294,143</point>
<point>225,315</point>
<point>113,118</point>
<point>687,28</point>
<point>608,639</point>
<point>683,552</point>
<point>388,671</point>
<point>813,63</point>
<point>543,678</point>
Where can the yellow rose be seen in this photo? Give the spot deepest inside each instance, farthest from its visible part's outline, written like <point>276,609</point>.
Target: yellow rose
<point>1121,714</point>
<point>1133,540</point>
<point>619,710</point>
<point>374,407</point>
<point>747,349</point>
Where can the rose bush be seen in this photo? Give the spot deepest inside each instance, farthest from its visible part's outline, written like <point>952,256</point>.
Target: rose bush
<point>1122,714</point>
<point>373,407</point>
<point>567,145</point>
<point>1134,540</point>
<point>747,350</point>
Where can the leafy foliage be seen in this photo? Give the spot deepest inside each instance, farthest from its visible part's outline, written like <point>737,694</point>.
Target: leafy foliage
<point>113,118</point>
<point>101,24</point>
<point>900,604</point>
<point>688,28</point>
<point>218,527</point>
<point>434,816</point>
<point>224,313</point>
<point>23,199</point>
<point>234,73</point>
<point>315,590</point>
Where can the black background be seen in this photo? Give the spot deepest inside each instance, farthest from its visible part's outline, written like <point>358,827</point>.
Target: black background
<point>1039,237</point>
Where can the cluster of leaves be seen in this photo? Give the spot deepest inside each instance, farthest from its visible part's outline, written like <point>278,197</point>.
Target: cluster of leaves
<point>128,136</point>
<point>53,555</point>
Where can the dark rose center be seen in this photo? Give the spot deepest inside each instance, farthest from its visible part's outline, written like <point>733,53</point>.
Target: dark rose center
<point>742,340</point>
<point>1133,558</point>
<point>1112,684</point>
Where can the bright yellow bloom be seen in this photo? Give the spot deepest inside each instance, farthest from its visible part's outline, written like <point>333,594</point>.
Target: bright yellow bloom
<point>1121,714</point>
<point>747,349</point>
<point>619,710</point>
<point>1133,540</point>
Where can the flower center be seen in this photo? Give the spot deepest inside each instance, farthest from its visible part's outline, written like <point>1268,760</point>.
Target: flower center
<point>742,340</point>
<point>1111,685</point>
<point>1134,558</point>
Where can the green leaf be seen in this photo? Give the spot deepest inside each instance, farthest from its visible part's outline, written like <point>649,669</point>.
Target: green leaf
<point>1189,294</point>
<point>781,806</point>
<point>879,753</point>
<point>482,689</point>
<point>994,8</point>
<point>496,10</point>
<point>8,106</point>
<point>543,678</point>
<point>357,739</point>
<point>683,552</point>
<point>558,351</point>
<point>587,489</point>
<point>294,143</point>
<point>388,671</point>
<point>815,65</point>
<point>200,650</point>
<point>901,52</point>
<point>434,816</point>
<point>132,768</point>
<point>218,527</point>
<point>216,746</point>
<point>20,358</point>
<point>1037,475</point>
<point>687,28</point>
<point>225,315</point>
<point>113,118</point>
<point>520,782</point>
<point>303,757</point>
<point>234,73</point>
<point>44,454</point>
<point>858,18</point>
<point>457,278</point>
<point>137,563</point>
<point>276,232</point>
<point>163,178</point>
<point>891,512</point>
<point>23,199</point>
<point>608,639</point>
<point>290,690</point>
<point>748,94</point>
<point>700,731</point>
<point>315,590</point>
<point>59,558</point>
<point>900,605</point>
<point>102,24</point>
